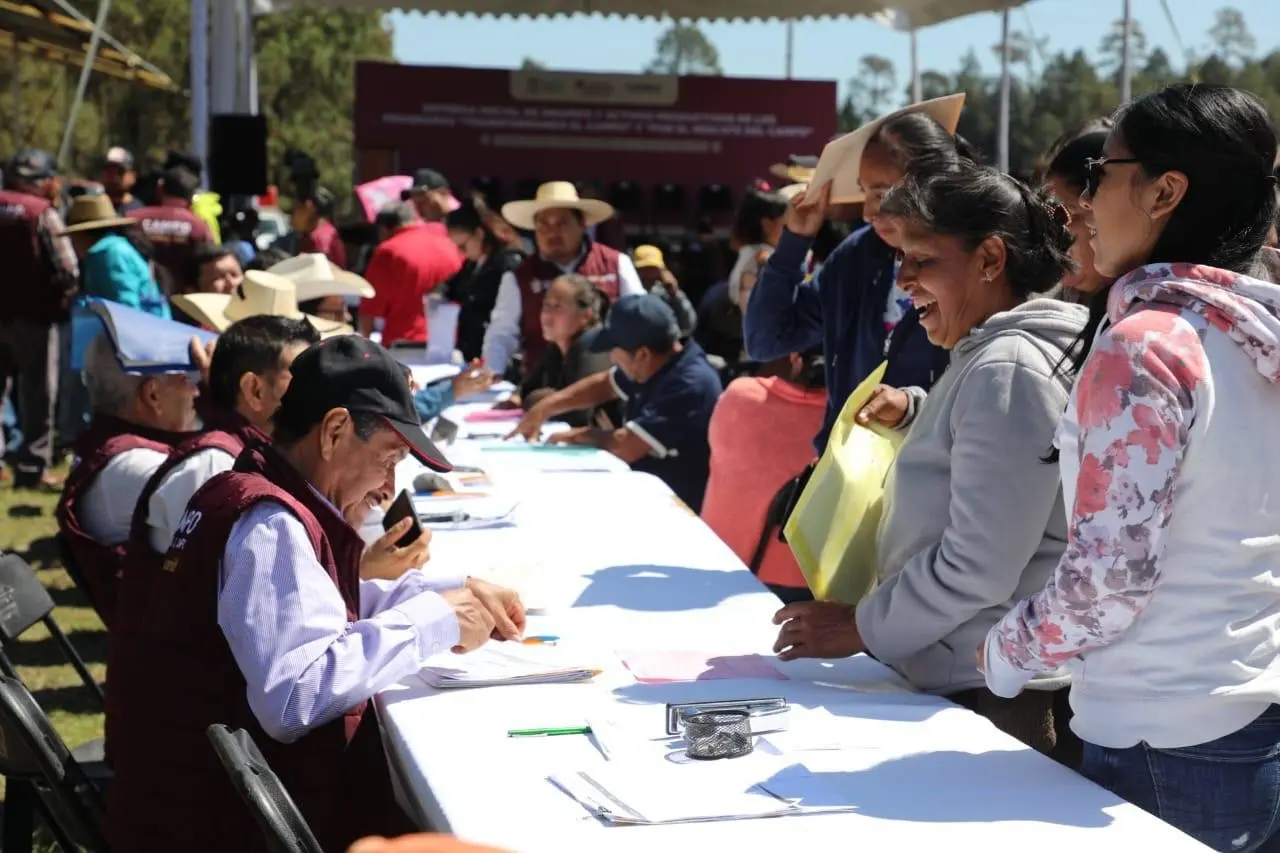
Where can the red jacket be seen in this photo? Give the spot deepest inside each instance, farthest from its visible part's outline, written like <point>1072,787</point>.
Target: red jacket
<point>404,268</point>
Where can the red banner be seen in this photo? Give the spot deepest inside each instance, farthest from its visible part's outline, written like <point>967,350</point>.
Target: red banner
<point>519,126</point>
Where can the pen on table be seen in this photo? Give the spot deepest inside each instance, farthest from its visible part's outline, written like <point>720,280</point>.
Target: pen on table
<point>566,730</point>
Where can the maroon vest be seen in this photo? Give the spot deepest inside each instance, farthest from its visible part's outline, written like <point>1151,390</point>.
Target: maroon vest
<point>535,274</point>
<point>33,293</point>
<point>103,439</point>
<point>172,669</point>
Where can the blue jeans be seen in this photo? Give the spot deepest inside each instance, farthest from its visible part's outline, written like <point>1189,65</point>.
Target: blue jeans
<point>1224,793</point>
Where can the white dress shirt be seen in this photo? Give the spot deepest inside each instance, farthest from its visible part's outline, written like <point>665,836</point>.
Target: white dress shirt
<point>303,662</point>
<point>502,338</point>
<point>106,508</point>
<point>169,500</point>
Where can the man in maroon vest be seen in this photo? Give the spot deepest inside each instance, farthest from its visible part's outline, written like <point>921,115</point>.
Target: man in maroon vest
<point>40,274</point>
<point>137,420</point>
<point>259,619</point>
<point>559,220</point>
<point>172,228</point>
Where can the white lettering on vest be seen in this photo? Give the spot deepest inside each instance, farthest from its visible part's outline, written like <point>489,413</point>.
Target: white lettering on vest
<point>13,211</point>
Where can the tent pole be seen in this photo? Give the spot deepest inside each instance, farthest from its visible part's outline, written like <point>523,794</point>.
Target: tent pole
<point>16,82</point>
<point>1002,135</point>
<point>916,94</point>
<point>1126,55</point>
<point>91,56</point>
<point>200,78</point>
<point>791,40</point>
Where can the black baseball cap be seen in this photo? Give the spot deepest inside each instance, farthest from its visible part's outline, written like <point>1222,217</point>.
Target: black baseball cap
<point>32,165</point>
<point>428,179</point>
<point>354,373</point>
<point>636,320</point>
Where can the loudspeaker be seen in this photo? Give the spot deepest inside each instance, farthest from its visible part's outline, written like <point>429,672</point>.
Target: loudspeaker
<point>238,154</point>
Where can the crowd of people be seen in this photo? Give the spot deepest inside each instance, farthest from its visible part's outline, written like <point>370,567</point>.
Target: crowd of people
<point>1077,540</point>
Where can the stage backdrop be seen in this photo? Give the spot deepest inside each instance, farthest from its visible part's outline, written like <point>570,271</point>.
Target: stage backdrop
<point>516,128</point>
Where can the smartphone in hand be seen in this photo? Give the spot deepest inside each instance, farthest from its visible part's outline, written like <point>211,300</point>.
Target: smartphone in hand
<point>401,508</point>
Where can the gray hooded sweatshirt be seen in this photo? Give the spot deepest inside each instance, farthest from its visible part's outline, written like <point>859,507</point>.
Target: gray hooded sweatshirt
<point>973,516</point>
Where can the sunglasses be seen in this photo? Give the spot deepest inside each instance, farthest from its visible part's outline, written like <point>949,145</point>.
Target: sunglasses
<point>1094,173</point>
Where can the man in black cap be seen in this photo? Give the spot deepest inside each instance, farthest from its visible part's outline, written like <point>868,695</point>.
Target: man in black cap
<point>431,195</point>
<point>118,177</point>
<point>260,620</point>
<point>40,274</point>
<point>668,389</point>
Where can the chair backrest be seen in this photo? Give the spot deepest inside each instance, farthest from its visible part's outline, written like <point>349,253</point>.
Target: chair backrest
<point>31,750</point>
<point>23,599</point>
<point>282,824</point>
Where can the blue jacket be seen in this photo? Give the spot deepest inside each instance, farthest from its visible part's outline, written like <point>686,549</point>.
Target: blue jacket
<point>113,269</point>
<point>843,310</point>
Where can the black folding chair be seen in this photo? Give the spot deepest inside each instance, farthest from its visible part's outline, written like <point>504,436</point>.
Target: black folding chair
<point>282,824</point>
<point>46,775</point>
<point>23,602</point>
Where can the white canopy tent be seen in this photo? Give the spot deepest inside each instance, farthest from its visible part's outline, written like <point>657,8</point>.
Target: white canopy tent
<point>232,86</point>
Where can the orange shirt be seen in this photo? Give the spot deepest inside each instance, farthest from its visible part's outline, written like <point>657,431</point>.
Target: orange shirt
<point>761,436</point>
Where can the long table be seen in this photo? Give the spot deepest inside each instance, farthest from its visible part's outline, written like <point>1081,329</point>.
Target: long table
<point>621,564</point>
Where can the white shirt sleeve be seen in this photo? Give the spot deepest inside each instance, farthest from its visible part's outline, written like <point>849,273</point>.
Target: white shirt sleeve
<point>303,662</point>
<point>169,500</point>
<point>106,510</point>
<point>502,338</point>
<point>628,278</point>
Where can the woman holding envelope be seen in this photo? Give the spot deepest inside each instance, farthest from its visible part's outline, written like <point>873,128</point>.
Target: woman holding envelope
<point>973,516</point>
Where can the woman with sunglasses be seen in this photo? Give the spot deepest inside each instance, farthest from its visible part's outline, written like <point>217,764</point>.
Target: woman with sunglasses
<point>1166,603</point>
<point>1065,174</point>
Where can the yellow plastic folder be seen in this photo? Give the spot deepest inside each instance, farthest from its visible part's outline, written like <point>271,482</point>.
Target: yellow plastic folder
<point>832,530</point>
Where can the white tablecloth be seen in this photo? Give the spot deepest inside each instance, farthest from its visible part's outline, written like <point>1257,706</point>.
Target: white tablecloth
<point>618,564</point>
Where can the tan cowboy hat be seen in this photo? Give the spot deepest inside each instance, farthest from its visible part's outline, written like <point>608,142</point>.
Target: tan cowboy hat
<point>315,276</point>
<point>93,212</point>
<point>841,160</point>
<point>555,194</point>
<point>798,170</point>
<point>260,293</point>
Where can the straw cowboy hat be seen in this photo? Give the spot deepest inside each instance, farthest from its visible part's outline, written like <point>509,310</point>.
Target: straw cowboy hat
<point>555,194</point>
<point>797,169</point>
<point>790,191</point>
<point>260,293</point>
<point>93,212</point>
<point>841,161</point>
<point>315,276</point>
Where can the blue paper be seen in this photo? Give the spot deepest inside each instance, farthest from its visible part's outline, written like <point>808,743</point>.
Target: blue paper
<point>144,343</point>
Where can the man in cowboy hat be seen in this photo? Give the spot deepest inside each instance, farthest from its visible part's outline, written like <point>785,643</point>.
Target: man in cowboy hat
<point>110,266</point>
<point>559,220</point>
<point>41,273</point>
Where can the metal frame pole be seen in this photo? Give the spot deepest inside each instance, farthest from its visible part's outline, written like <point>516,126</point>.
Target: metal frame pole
<point>1002,137</point>
<point>91,55</point>
<point>1126,55</point>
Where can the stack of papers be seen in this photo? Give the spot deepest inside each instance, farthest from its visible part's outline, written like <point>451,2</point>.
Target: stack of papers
<point>496,664</point>
<point>632,795</point>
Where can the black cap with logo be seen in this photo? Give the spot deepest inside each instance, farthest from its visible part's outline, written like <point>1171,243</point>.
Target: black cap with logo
<point>32,165</point>
<point>428,179</point>
<point>353,373</point>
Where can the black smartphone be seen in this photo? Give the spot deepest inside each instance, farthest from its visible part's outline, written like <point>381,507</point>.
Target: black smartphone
<point>402,507</point>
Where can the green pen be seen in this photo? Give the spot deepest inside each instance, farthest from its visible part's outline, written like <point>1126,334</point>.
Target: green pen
<point>568,730</point>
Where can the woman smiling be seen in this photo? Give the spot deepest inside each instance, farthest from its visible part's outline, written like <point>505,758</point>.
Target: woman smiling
<point>973,516</point>
<point>1166,603</point>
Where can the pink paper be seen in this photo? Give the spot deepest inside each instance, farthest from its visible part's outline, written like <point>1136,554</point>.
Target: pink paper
<point>657,667</point>
<point>485,415</point>
<point>377,194</point>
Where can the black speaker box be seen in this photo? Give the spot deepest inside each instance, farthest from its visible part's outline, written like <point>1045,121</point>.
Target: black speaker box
<point>238,154</point>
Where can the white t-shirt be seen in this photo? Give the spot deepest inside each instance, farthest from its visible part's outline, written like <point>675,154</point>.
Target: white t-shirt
<point>106,510</point>
<point>169,500</point>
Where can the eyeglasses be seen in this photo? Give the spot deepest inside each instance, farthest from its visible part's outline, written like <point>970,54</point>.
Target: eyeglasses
<point>1094,173</point>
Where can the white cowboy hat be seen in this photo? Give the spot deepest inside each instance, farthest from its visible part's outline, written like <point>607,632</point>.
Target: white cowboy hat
<point>315,276</point>
<point>555,194</point>
<point>260,293</point>
<point>93,212</point>
<point>841,160</point>
<point>790,191</point>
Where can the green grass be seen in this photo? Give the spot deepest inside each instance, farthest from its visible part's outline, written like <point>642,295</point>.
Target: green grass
<point>27,527</point>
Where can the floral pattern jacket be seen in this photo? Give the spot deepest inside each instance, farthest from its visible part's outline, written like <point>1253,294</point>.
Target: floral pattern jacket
<point>1135,400</point>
